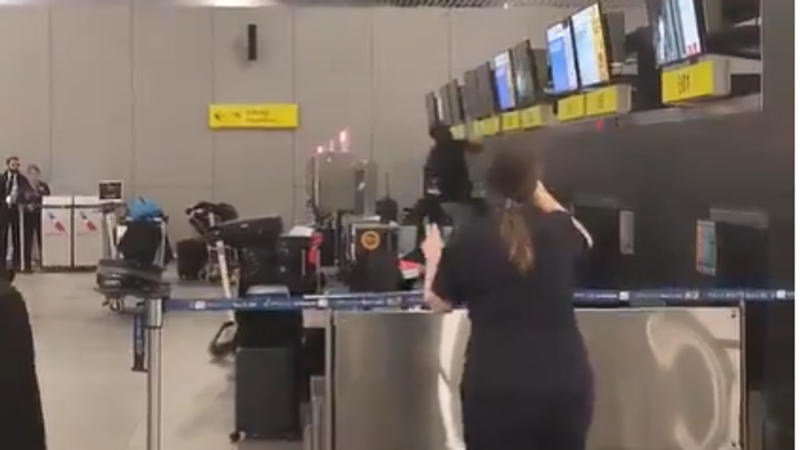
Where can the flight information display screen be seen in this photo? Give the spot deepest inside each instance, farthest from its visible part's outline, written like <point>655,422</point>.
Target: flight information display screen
<point>504,82</point>
<point>561,54</point>
<point>590,46</point>
<point>524,73</point>
<point>678,31</point>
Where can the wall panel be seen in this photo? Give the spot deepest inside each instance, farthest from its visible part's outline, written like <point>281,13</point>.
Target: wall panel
<point>253,168</point>
<point>92,96</point>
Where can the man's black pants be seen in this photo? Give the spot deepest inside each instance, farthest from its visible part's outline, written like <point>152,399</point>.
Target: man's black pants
<point>9,219</point>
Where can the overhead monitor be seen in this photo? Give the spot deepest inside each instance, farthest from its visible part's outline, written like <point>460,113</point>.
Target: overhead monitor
<point>561,55</point>
<point>456,102</point>
<point>488,96</point>
<point>591,46</point>
<point>444,102</point>
<point>471,96</point>
<point>678,31</point>
<point>504,81</point>
<point>530,73</point>
<point>432,109</point>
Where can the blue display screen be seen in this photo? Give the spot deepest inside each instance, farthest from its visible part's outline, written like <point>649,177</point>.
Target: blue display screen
<point>504,82</point>
<point>561,53</point>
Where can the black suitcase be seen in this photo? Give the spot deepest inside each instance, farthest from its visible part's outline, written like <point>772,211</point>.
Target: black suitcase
<point>258,232</point>
<point>192,258</point>
<point>267,393</point>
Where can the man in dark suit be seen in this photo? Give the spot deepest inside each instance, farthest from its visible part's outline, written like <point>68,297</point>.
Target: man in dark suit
<point>21,418</point>
<point>13,186</point>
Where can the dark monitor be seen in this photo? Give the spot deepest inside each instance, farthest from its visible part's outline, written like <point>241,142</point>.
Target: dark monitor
<point>591,46</point>
<point>432,109</point>
<point>444,99</point>
<point>456,102</point>
<point>607,265</point>
<point>561,58</point>
<point>679,30</point>
<point>488,96</point>
<point>530,73</point>
<point>471,95</point>
<point>503,78</point>
<point>742,249</point>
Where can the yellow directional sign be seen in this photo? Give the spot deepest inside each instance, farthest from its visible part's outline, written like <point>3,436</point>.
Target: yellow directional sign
<point>257,115</point>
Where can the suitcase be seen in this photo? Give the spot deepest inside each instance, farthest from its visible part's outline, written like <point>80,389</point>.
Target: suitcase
<point>258,232</point>
<point>192,258</point>
<point>267,394</point>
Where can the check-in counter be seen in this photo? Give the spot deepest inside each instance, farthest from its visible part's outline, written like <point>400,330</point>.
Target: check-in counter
<point>665,378</point>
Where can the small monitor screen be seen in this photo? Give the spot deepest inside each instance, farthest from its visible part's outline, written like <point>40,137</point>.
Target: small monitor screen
<point>524,74</point>
<point>488,97</point>
<point>456,103</point>
<point>677,31</point>
<point>432,109</point>
<point>444,104</point>
<point>471,95</point>
<point>561,54</point>
<point>110,190</point>
<point>504,82</point>
<point>590,46</point>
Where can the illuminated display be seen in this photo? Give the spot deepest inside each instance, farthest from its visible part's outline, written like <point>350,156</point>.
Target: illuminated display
<point>590,46</point>
<point>561,54</point>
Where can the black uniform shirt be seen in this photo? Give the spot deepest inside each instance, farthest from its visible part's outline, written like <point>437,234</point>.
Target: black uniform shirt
<point>524,336</point>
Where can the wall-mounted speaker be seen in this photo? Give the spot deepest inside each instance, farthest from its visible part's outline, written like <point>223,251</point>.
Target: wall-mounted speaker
<point>252,42</point>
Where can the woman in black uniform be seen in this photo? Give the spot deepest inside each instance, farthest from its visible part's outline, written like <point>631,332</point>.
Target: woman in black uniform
<point>33,213</point>
<point>527,381</point>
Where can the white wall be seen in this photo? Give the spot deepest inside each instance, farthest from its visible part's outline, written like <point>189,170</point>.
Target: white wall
<point>119,90</point>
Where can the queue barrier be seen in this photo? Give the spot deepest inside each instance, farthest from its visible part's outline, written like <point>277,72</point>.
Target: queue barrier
<point>148,321</point>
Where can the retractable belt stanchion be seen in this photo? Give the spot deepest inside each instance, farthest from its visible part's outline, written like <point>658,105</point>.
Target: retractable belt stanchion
<point>154,322</point>
<point>21,240</point>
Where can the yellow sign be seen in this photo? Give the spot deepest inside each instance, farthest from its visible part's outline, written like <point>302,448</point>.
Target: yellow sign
<point>370,240</point>
<point>532,117</point>
<point>510,121</point>
<point>490,126</point>
<point>458,131</point>
<point>684,83</point>
<point>477,130</point>
<point>572,108</point>
<point>602,101</point>
<point>261,115</point>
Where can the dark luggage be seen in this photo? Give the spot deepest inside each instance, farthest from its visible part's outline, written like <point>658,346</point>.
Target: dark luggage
<point>258,232</point>
<point>297,264</point>
<point>267,394</point>
<point>192,258</point>
<point>116,277</point>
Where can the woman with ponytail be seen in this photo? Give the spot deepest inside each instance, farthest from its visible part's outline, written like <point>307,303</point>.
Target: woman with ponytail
<point>527,381</point>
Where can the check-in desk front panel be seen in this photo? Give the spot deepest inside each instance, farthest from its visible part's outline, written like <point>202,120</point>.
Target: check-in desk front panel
<point>665,378</point>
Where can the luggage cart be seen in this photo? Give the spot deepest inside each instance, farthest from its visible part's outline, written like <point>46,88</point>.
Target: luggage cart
<point>118,277</point>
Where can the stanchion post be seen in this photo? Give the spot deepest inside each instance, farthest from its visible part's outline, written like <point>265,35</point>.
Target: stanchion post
<point>154,322</point>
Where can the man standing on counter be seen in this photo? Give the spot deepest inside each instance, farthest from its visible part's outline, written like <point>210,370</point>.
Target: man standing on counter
<point>13,185</point>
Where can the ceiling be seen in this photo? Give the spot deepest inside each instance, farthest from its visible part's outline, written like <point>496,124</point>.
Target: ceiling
<point>613,4</point>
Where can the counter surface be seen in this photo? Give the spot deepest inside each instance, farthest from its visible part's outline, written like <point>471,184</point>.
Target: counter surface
<point>666,378</point>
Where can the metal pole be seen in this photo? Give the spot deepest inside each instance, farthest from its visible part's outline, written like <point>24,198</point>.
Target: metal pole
<point>328,424</point>
<point>153,322</point>
<point>21,249</point>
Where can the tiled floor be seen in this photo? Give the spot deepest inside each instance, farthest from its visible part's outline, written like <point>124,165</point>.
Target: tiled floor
<point>92,400</point>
